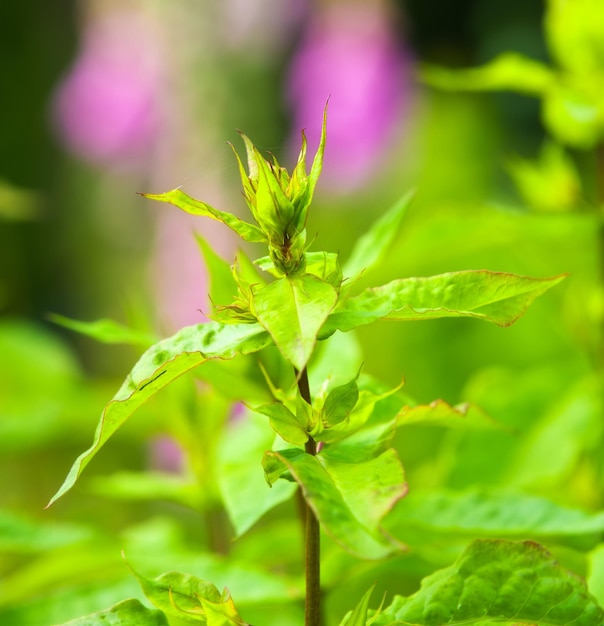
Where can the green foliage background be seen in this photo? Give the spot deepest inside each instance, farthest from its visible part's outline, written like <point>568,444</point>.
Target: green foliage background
<point>483,201</point>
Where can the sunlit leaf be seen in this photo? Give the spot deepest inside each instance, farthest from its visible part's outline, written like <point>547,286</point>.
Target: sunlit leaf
<point>105,330</point>
<point>343,502</point>
<point>500,581</point>
<point>126,613</point>
<point>158,367</point>
<point>492,296</point>
<point>371,248</point>
<point>508,71</point>
<point>440,413</point>
<point>287,424</point>
<point>340,401</point>
<point>292,310</point>
<point>178,198</point>
<point>190,599</point>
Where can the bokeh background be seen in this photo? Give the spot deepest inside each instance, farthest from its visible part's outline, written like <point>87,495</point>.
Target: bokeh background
<point>101,99</point>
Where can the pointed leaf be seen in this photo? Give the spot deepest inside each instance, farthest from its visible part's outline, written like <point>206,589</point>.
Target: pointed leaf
<point>126,613</point>
<point>158,367</point>
<point>333,498</point>
<point>284,422</point>
<point>105,330</point>
<point>339,402</point>
<point>493,296</point>
<point>499,581</point>
<point>371,248</point>
<point>292,310</point>
<point>508,71</point>
<point>440,413</point>
<point>190,599</point>
<point>358,617</point>
<point>223,287</point>
<point>178,198</point>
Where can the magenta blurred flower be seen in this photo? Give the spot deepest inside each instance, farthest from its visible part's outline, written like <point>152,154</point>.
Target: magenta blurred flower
<point>166,455</point>
<point>351,55</point>
<point>107,108</point>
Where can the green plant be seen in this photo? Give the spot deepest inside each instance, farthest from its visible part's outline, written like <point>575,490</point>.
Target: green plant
<point>287,317</point>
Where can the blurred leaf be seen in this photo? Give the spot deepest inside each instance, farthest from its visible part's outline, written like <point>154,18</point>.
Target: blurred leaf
<point>348,499</point>
<point>17,203</point>
<point>508,71</point>
<point>248,232</point>
<point>371,248</point>
<point>190,599</point>
<point>500,581</point>
<point>292,310</point>
<point>105,330</point>
<point>551,183</point>
<point>595,579</point>
<point>493,296</point>
<point>245,493</point>
<point>126,613</point>
<point>492,512</point>
<point>440,413</point>
<point>159,366</point>
<point>223,287</point>
<point>358,617</point>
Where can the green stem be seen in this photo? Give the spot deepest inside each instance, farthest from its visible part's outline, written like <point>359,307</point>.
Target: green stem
<point>312,533</point>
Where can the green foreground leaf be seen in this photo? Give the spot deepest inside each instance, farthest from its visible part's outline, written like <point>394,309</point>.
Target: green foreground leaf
<point>492,296</point>
<point>159,366</point>
<point>499,581</point>
<point>127,613</point>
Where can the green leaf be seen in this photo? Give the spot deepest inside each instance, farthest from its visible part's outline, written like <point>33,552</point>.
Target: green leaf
<point>292,310</point>
<point>358,617</point>
<point>158,367</point>
<point>190,599</point>
<point>223,287</point>
<point>440,413</point>
<point>508,71</point>
<point>178,198</point>
<point>500,581</point>
<point>105,330</point>
<point>285,423</point>
<point>492,296</point>
<point>347,499</point>
<point>595,579</point>
<point>492,512</point>
<point>126,613</point>
<point>371,248</point>
<point>340,402</point>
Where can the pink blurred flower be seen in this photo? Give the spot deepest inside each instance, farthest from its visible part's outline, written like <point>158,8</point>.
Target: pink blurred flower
<point>351,55</point>
<point>166,455</point>
<point>107,108</point>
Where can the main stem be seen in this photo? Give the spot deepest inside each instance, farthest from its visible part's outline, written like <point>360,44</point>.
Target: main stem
<point>312,534</point>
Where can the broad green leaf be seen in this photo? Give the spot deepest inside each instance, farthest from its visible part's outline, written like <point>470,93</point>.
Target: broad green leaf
<point>292,310</point>
<point>332,498</point>
<point>440,413</point>
<point>223,287</point>
<point>105,330</point>
<point>370,248</point>
<point>595,578</point>
<point>492,296</point>
<point>178,198</point>
<point>126,613</point>
<point>159,366</point>
<point>190,599</point>
<point>492,512</point>
<point>500,581</point>
<point>508,71</point>
<point>339,402</point>
<point>242,484</point>
<point>285,423</point>
<point>358,617</point>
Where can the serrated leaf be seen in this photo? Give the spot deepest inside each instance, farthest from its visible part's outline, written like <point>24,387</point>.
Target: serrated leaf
<point>370,248</point>
<point>441,413</point>
<point>126,613</point>
<point>500,581</point>
<point>492,296</point>
<point>105,330</point>
<point>343,501</point>
<point>223,287</point>
<point>190,599</point>
<point>158,367</point>
<point>507,71</point>
<point>285,423</point>
<point>178,198</point>
<point>292,310</point>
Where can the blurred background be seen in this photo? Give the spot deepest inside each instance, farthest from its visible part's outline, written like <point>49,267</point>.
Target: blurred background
<point>102,99</point>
